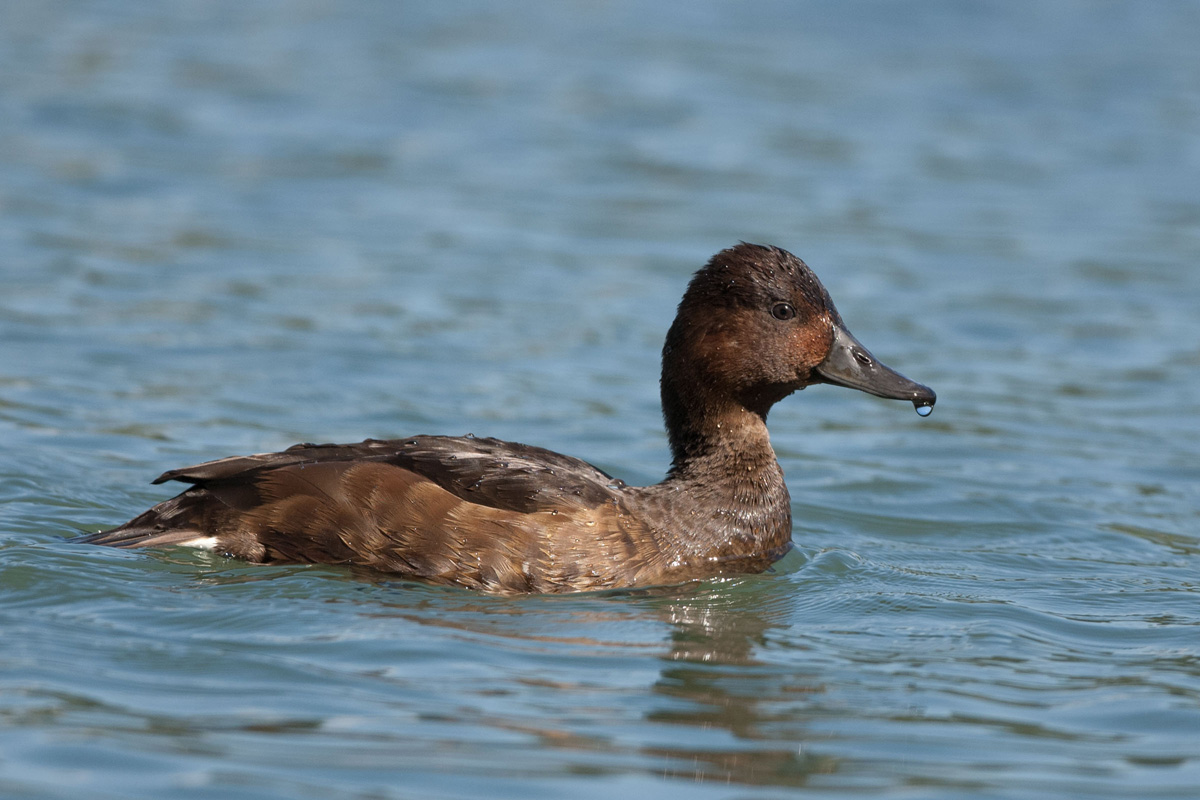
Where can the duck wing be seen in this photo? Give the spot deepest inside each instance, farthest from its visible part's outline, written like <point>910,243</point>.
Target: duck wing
<point>490,472</point>
<point>477,512</point>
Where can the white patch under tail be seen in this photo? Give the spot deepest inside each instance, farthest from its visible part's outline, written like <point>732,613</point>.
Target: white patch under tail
<point>201,543</point>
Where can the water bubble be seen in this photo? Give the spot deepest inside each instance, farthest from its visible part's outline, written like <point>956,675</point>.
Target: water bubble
<point>924,410</point>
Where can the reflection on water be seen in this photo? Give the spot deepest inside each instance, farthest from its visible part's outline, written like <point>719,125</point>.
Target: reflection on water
<point>711,687</point>
<point>715,671</point>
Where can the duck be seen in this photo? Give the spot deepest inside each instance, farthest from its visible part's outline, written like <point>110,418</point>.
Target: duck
<point>754,326</point>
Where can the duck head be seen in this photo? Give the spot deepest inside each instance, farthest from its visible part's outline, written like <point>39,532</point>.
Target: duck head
<point>754,326</point>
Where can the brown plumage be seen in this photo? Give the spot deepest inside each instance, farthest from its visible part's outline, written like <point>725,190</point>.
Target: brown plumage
<point>754,326</point>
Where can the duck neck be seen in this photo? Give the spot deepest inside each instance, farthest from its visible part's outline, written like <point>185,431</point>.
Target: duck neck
<point>725,479</point>
<point>713,433</point>
<point>725,441</point>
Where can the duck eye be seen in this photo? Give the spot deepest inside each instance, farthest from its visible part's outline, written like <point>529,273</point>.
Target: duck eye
<point>783,311</point>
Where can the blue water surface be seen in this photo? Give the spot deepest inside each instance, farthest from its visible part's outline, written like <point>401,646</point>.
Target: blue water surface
<point>226,227</point>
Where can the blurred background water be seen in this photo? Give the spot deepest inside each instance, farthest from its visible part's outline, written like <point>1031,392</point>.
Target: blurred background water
<point>230,226</point>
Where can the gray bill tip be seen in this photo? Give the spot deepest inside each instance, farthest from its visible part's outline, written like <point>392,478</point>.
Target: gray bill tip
<point>851,365</point>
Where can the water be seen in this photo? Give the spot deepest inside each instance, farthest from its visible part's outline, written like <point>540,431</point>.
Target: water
<point>228,227</point>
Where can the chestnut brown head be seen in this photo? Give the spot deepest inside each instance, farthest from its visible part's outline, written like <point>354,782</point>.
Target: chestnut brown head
<point>754,326</point>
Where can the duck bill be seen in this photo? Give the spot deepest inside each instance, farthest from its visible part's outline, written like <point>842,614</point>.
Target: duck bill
<point>851,365</point>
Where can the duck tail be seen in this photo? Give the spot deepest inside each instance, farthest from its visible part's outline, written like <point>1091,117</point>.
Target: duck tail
<point>171,522</point>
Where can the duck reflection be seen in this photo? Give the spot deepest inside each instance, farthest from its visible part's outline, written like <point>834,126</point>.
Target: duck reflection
<point>715,712</point>
<point>719,683</point>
